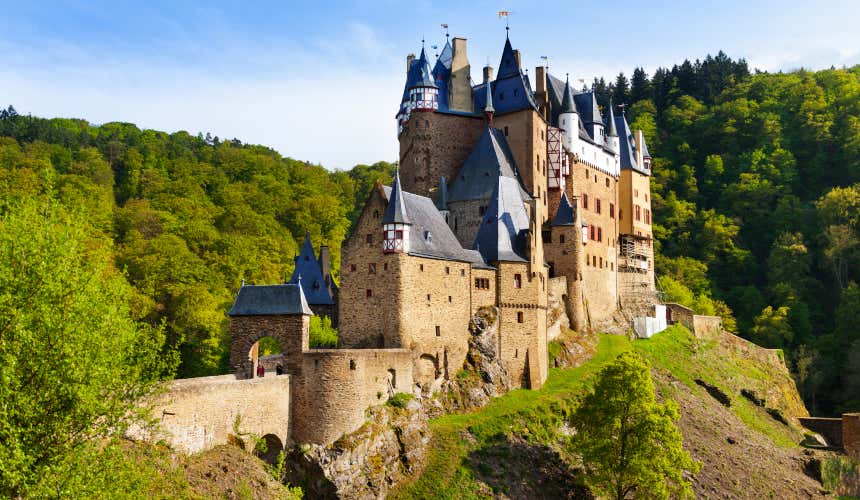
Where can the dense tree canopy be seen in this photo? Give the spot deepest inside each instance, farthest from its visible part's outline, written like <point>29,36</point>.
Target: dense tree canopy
<point>756,196</point>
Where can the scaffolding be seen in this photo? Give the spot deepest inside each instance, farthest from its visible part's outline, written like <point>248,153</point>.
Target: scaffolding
<point>637,294</point>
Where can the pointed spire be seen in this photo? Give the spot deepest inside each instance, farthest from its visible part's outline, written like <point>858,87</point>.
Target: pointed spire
<point>303,301</point>
<point>610,131</point>
<point>567,101</point>
<point>396,210</point>
<point>420,74</point>
<point>489,111</point>
<point>508,65</point>
<point>564,215</point>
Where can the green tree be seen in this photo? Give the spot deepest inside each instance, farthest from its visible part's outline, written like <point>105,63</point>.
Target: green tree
<point>72,359</point>
<point>629,443</point>
<point>772,327</point>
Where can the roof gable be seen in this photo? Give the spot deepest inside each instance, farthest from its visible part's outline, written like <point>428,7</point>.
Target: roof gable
<point>504,227</point>
<point>269,300</point>
<point>490,157</point>
<point>313,282</point>
<point>564,214</point>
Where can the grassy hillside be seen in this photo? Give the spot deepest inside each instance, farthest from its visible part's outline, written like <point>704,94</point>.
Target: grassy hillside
<point>513,445</point>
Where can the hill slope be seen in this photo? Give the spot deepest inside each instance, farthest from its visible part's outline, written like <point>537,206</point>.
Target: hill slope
<point>512,447</point>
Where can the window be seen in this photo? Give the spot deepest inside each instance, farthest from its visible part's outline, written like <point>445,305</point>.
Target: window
<point>421,267</point>
<point>450,299</point>
<point>611,266</point>
<point>586,171</point>
<point>506,129</point>
<point>593,235</point>
<point>601,263</point>
<point>352,268</point>
<point>594,260</point>
<point>585,201</point>
<point>607,182</point>
<point>647,216</point>
<point>595,179</point>
<point>462,272</point>
<point>482,283</point>
<point>636,193</point>
<point>447,270</point>
<point>438,331</point>
<point>369,293</point>
<point>519,316</point>
<point>561,238</point>
<point>597,205</point>
<point>428,297</point>
<point>638,213</point>
<point>371,268</point>
<point>352,364</point>
<point>599,234</point>
<point>482,210</point>
<point>587,260</point>
<point>368,238</point>
<point>376,214</point>
<point>646,197</point>
<point>612,210</point>
<point>518,281</point>
<point>385,266</point>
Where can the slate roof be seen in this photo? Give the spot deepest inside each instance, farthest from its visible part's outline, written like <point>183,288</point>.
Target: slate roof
<point>314,286</point>
<point>564,215</point>
<point>610,120</point>
<point>490,157</point>
<point>589,112</point>
<point>442,201</point>
<point>396,212</point>
<point>510,91</point>
<point>567,101</point>
<point>430,235</point>
<point>628,146</point>
<point>645,153</point>
<point>268,300</point>
<point>556,88</point>
<point>420,74</point>
<point>508,64</point>
<point>442,73</point>
<point>504,227</point>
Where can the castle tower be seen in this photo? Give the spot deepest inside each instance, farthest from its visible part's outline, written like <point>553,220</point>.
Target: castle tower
<point>565,253</point>
<point>395,223</point>
<point>568,119</point>
<point>611,132</point>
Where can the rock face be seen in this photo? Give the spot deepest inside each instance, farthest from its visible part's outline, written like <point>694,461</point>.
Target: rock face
<point>367,462</point>
<point>484,374</point>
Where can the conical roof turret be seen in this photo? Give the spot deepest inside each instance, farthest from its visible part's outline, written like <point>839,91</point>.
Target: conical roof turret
<point>395,212</point>
<point>610,127</point>
<point>567,105</point>
<point>564,215</point>
<point>420,74</point>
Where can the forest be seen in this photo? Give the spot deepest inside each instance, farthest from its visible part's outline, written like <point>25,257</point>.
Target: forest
<point>756,196</point>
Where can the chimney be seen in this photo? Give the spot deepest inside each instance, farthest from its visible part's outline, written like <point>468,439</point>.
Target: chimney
<point>540,90</point>
<point>409,59</point>
<point>460,89</point>
<point>640,139</point>
<point>325,263</point>
<point>488,73</point>
<point>517,57</point>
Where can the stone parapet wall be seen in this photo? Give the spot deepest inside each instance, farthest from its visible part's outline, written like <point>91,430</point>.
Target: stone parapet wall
<point>851,434</point>
<point>339,385</point>
<point>199,413</point>
<point>829,428</point>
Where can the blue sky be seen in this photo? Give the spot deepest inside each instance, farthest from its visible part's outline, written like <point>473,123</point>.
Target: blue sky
<point>320,81</point>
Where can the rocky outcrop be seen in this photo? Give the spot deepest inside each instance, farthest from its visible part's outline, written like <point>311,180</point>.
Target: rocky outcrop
<point>366,463</point>
<point>483,376</point>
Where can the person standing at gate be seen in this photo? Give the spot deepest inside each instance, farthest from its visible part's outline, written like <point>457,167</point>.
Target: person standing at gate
<point>261,370</point>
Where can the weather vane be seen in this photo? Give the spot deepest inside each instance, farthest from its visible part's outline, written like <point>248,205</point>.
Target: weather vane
<point>445,27</point>
<point>545,60</point>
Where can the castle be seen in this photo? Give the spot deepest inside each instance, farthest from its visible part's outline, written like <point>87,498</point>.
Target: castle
<point>504,192</point>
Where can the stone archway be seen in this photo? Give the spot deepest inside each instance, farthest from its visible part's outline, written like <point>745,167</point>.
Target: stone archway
<point>273,447</point>
<point>246,332</point>
<point>426,369</point>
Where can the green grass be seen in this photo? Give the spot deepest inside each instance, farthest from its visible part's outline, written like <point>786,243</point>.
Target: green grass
<point>535,415</point>
<point>524,412</point>
<point>686,358</point>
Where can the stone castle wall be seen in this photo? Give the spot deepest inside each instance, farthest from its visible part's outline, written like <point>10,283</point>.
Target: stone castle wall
<point>338,385</point>
<point>435,308</point>
<point>369,321</point>
<point>433,145</point>
<point>522,325</point>
<point>199,413</point>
